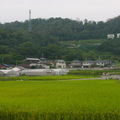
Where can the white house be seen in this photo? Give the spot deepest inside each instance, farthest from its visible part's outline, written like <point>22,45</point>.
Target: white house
<point>60,64</point>
<point>118,35</point>
<point>103,63</point>
<point>88,64</point>
<point>110,36</point>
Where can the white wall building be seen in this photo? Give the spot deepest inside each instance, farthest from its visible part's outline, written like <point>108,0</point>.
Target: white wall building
<point>110,36</point>
<point>60,64</point>
<point>118,35</point>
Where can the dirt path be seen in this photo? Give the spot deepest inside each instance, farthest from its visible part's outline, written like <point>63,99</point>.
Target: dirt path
<point>85,79</point>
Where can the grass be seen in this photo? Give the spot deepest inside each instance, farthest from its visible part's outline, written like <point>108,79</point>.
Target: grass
<point>85,42</point>
<point>60,100</point>
<point>62,77</point>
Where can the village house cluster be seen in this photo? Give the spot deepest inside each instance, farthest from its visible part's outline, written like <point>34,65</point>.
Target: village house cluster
<point>61,64</point>
<point>44,67</point>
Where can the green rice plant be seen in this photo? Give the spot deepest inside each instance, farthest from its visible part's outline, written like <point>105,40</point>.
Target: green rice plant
<point>60,100</point>
<point>86,72</point>
<point>62,77</point>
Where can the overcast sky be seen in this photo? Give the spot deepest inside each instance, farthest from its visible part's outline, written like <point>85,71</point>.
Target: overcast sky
<point>97,10</point>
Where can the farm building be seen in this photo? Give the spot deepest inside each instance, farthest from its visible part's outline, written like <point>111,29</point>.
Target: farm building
<point>5,66</point>
<point>32,60</point>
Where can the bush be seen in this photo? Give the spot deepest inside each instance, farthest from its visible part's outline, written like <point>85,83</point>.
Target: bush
<point>85,72</point>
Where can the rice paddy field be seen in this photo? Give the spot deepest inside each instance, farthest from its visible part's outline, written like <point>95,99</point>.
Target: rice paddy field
<point>60,100</point>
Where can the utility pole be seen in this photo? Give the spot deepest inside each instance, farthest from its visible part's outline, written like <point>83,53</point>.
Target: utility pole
<point>2,60</point>
<point>29,26</point>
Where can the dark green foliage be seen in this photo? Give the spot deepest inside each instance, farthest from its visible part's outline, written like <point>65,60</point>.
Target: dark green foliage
<point>47,36</point>
<point>111,46</point>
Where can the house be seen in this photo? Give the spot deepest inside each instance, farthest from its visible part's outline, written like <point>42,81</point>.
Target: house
<point>118,35</point>
<point>110,36</point>
<point>75,64</point>
<point>97,63</point>
<point>88,64</point>
<point>103,63</point>
<point>60,64</point>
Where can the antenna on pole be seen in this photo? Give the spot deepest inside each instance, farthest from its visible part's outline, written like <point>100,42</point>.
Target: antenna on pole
<point>29,26</point>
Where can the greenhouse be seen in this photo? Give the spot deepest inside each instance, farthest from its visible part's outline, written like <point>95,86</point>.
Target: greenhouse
<point>33,72</point>
<point>48,72</point>
<point>61,71</point>
<point>43,72</point>
<point>1,74</point>
<point>12,73</point>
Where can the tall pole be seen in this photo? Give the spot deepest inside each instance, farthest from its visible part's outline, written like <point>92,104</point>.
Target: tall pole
<point>2,60</point>
<point>29,26</point>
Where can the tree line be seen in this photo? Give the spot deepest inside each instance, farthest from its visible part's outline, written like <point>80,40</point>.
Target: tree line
<point>17,43</point>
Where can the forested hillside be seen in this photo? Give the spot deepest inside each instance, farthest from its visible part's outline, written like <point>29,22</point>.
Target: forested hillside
<point>49,37</point>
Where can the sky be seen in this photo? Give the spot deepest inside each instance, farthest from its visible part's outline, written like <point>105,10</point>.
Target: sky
<point>96,10</point>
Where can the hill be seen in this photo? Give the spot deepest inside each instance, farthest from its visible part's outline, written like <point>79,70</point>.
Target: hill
<point>51,37</point>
